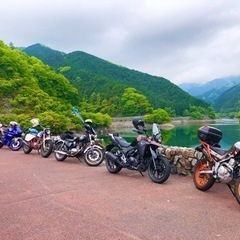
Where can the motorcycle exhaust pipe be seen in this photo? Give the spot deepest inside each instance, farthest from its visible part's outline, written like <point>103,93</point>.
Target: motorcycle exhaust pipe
<point>111,157</point>
<point>60,152</point>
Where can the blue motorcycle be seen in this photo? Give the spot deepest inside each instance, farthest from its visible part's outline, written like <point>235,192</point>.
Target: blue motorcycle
<point>11,136</point>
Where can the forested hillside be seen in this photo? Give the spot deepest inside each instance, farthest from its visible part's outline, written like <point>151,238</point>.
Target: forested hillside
<point>30,89</point>
<point>99,81</point>
<point>229,101</point>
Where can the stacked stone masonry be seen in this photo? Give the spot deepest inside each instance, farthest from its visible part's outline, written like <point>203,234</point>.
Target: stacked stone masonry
<point>182,159</point>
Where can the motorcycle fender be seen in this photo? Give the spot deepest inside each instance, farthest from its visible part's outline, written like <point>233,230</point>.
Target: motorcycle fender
<point>29,137</point>
<point>94,146</point>
<point>59,141</point>
<point>154,155</point>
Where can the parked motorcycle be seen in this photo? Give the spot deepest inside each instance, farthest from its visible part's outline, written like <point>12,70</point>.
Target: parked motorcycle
<point>142,154</point>
<point>216,163</point>
<point>77,146</point>
<point>11,136</point>
<point>39,140</point>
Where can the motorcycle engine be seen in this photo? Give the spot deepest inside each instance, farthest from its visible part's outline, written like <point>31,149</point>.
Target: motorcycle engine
<point>133,161</point>
<point>133,158</point>
<point>225,171</point>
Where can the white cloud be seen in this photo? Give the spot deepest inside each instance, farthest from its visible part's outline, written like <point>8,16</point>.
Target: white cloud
<point>181,40</point>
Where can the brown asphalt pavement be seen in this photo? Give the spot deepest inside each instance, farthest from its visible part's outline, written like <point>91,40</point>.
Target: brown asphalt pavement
<point>41,198</point>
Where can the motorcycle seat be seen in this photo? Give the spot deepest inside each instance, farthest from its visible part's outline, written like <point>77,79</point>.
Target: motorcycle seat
<point>69,139</point>
<point>220,151</point>
<point>122,142</point>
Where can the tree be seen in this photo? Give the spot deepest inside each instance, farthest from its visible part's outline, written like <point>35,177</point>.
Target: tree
<point>158,116</point>
<point>134,103</point>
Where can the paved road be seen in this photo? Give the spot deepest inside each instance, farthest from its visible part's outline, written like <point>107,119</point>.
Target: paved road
<point>46,199</point>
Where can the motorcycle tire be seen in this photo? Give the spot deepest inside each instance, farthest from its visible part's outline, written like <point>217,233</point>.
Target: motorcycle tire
<point>16,145</point>
<point>46,150</point>
<point>60,157</point>
<point>159,171</point>
<point>1,144</point>
<point>203,181</point>
<point>111,166</point>
<point>26,148</point>
<point>93,157</point>
<point>237,190</point>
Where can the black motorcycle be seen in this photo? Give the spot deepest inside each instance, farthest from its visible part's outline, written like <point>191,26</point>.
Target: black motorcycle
<point>85,145</point>
<point>142,154</point>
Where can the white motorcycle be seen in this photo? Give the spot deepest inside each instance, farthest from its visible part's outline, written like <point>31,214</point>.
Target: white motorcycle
<point>38,140</point>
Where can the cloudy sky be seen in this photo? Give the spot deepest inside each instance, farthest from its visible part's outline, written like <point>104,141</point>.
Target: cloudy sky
<point>181,40</point>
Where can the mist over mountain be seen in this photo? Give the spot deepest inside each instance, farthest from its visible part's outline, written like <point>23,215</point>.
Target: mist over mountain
<point>211,90</point>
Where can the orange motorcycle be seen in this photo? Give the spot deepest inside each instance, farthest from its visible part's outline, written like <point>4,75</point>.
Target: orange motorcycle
<point>217,163</point>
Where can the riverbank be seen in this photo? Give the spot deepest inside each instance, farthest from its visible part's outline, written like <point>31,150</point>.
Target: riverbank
<point>126,123</point>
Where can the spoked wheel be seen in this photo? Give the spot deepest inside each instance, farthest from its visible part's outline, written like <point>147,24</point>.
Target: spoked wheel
<point>112,167</point>
<point>237,190</point>
<point>61,148</point>
<point>203,181</point>
<point>46,148</point>
<point>93,157</point>
<point>159,170</point>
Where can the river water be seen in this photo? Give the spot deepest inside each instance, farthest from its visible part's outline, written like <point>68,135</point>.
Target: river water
<point>185,135</point>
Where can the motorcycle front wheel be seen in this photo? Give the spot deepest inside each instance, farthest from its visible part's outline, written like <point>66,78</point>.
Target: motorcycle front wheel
<point>203,181</point>
<point>26,148</point>
<point>237,190</point>
<point>93,157</point>
<point>59,156</point>
<point>16,144</point>
<point>159,170</point>
<point>46,148</point>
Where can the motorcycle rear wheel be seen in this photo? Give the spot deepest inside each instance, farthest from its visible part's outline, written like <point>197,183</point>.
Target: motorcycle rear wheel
<point>59,156</point>
<point>93,157</point>
<point>1,144</point>
<point>26,148</point>
<point>203,181</point>
<point>237,190</point>
<point>47,150</point>
<point>160,172</point>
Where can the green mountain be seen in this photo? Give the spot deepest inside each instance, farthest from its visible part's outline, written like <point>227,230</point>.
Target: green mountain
<point>90,74</point>
<point>30,89</point>
<point>229,101</point>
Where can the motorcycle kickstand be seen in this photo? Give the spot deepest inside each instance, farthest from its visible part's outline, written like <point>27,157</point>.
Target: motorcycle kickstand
<point>141,173</point>
<point>230,187</point>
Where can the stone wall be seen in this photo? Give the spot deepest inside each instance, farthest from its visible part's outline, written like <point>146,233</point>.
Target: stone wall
<point>182,159</point>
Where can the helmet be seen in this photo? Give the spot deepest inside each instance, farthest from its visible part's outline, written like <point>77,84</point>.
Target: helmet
<point>13,124</point>
<point>138,122</point>
<point>35,122</point>
<point>88,121</point>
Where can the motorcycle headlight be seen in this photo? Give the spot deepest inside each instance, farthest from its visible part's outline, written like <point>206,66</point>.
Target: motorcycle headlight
<point>47,131</point>
<point>93,137</point>
<point>158,138</point>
